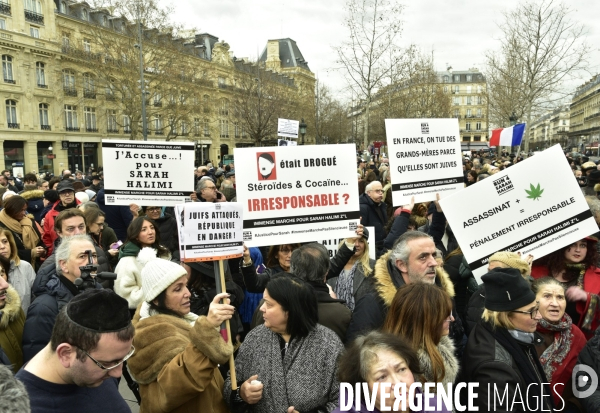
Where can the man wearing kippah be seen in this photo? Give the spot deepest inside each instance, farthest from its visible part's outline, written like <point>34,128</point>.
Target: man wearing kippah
<point>78,370</point>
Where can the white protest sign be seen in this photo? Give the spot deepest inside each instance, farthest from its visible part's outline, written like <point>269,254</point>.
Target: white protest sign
<point>287,128</point>
<point>425,158</point>
<point>210,230</point>
<point>332,245</point>
<point>534,207</point>
<point>283,142</point>
<point>147,173</point>
<point>298,194</point>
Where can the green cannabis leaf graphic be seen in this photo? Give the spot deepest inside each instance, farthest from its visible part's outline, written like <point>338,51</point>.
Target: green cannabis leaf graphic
<point>535,193</point>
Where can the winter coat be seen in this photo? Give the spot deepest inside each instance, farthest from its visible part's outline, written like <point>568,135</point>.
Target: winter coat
<point>591,285</point>
<point>303,376</point>
<point>50,234</point>
<point>167,227</point>
<point>475,309</point>
<point>15,398</point>
<point>21,277</point>
<point>129,275</point>
<point>118,217</point>
<point>452,267</point>
<point>370,311</point>
<point>220,197</point>
<point>176,364</point>
<point>372,215</point>
<point>489,363</point>
<point>25,253</point>
<point>51,295</point>
<point>12,321</point>
<point>437,229</point>
<point>106,238</point>
<point>35,203</point>
<point>590,357</point>
<point>446,349</point>
<point>362,284</point>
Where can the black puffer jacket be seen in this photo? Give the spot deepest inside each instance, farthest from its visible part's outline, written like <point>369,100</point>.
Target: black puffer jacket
<point>35,203</point>
<point>167,225</point>
<point>590,356</point>
<point>372,215</point>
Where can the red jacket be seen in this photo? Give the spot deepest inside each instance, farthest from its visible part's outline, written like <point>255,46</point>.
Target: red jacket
<point>50,234</point>
<point>591,285</point>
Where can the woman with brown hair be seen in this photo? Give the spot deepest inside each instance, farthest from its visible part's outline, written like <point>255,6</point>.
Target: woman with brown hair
<point>28,240</point>
<point>278,260</point>
<point>421,314</point>
<point>574,266</point>
<point>21,274</point>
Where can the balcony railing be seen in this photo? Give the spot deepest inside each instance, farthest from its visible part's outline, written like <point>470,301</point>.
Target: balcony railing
<point>70,91</point>
<point>4,8</point>
<point>13,125</point>
<point>159,132</point>
<point>34,17</point>
<point>91,129</point>
<point>11,81</point>
<point>126,130</point>
<point>112,130</point>
<point>72,129</point>
<point>45,127</point>
<point>89,94</point>
<point>42,86</point>
<point>110,96</point>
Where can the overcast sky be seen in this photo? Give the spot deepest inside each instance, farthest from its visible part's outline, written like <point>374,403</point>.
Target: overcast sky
<point>458,32</point>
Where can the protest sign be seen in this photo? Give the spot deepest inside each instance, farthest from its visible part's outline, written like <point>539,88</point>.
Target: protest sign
<point>283,142</point>
<point>333,244</point>
<point>210,231</point>
<point>425,158</point>
<point>534,207</point>
<point>297,194</point>
<point>287,128</point>
<point>147,173</point>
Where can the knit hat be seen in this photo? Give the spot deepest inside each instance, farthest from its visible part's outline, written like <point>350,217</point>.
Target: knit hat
<point>51,195</point>
<point>589,165</point>
<point>157,274</point>
<point>513,260</point>
<point>91,194</point>
<point>8,194</point>
<point>506,290</point>
<point>102,311</point>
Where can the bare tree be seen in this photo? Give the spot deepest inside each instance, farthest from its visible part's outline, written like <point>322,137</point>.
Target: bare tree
<point>330,117</point>
<point>541,49</point>
<point>371,53</point>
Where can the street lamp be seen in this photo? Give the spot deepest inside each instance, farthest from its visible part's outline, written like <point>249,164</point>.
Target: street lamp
<point>302,129</point>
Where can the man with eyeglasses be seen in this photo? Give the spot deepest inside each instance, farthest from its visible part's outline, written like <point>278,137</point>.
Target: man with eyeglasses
<point>373,212</point>
<point>206,191</point>
<point>78,370</point>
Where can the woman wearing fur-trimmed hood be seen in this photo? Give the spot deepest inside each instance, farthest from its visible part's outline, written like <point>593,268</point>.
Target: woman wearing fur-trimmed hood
<point>177,352</point>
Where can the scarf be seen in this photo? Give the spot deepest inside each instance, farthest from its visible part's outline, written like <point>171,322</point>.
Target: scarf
<point>523,363</point>
<point>344,287</point>
<point>588,317</point>
<point>146,312</point>
<point>24,227</point>
<point>556,352</point>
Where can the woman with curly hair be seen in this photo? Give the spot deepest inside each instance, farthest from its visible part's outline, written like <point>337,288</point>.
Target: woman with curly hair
<point>574,266</point>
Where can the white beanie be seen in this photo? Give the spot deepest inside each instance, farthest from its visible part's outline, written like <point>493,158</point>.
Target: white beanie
<point>157,274</point>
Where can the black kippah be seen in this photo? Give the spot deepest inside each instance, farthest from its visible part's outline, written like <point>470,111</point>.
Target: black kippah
<point>102,311</point>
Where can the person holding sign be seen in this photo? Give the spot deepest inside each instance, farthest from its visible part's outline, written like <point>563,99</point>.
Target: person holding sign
<point>177,352</point>
<point>574,266</point>
<point>373,212</point>
<point>288,364</point>
<point>278,260</point>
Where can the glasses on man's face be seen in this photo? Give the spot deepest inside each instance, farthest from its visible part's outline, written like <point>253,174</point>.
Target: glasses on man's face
<point>67,193</point>
<point>212,188</point>
<point>379,191</point>
<point>103,367</point>
<point>532,313</point>
<point>153,209</point>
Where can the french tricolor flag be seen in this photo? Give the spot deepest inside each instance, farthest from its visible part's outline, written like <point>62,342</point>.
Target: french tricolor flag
<point>508,136</point>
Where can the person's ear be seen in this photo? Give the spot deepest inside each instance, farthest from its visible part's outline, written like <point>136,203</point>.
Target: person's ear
<point>63,266</point>
<point>66,354</point>
<point>401,265</point>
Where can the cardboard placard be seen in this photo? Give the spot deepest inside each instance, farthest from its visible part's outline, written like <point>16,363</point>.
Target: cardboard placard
<point>534,207</point>
<point>287,128</point>
<point>425,159</point>
<point>297,194</point>
<point>147,173</point>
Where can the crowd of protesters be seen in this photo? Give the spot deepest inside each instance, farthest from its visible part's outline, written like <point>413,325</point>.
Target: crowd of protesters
<point>301,322</point>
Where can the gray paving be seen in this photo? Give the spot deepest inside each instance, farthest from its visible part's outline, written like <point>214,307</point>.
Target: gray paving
<point>128,396</point>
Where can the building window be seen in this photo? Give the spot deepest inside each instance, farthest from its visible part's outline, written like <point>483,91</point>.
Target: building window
<point>466,138</point>
<point>469,113</point>
<point>205,101</point>
<point>445,89</point>
<point>446,79</point>
<point>477,138</point>
<point>468,126</point>
<point>457,78</point>
<point>66,41</point>
<point>105,21</point>
<point>3,24</point>
<point>84,14</point>
<point>222,83</point>
<point>206,128</point>
<point>44,123</point>
<point>564,122</point>
<point>479,112</point>
<point>111,121</point>
<point>34,32</point>
<point>40,74</point>
<point>89,86</point>
<point>224,108</point>
<point>224,128</point>
<point>479,100</point>
<point>126,124</point>
<point>90,119</point>
<point>469,78</point>
<point>34,6</point>
<point>184,128</point>
<point>110,90</point>
<point>7,68</point>
<point>478,126</point>
<point>11,114</point>
<point>87,46</point>
<point>196,126</point>
<point>71,124</point>
<point>456,113</point>
<point>63,7</point>
<point>236,129</point>
<point>157,99</point>
<point>158,125</point>
<point>468,100</point>
<point>469,88</point>
<point>479,89</point>
<point>456,89</point>
<point>456,100</point>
